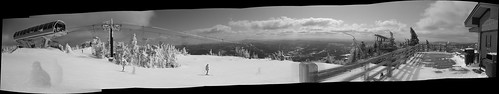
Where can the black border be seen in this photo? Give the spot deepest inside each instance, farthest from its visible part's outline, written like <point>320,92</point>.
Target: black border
<point>19,9</point>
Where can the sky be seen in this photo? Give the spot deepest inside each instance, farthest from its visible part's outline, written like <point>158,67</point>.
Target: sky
<point>432,20</point>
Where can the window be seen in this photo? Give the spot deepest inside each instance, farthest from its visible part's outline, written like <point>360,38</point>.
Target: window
<point>487,42</point>
<point>490,41</point>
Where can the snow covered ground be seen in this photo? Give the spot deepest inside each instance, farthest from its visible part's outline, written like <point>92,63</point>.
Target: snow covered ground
<point>78,72</point>
<point>415,69</point>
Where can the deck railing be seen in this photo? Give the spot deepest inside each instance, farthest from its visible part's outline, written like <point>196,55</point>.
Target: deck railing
<point>391,61</point>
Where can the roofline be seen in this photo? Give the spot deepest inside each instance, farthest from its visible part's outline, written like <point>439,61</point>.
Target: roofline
<point>476,8</point>
<point>472,12</point>
<point>55,22</point>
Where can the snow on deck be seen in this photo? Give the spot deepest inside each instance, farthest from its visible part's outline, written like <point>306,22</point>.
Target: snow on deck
<point>416,68</point>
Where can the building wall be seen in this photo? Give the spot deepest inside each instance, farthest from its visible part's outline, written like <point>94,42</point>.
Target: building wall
<point>488,33</point>
<point>492,39</point>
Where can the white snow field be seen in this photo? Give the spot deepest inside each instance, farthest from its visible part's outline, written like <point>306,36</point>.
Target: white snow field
<point>79,72</point>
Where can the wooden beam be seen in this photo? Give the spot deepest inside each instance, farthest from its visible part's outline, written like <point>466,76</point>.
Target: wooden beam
<point>369,69</point>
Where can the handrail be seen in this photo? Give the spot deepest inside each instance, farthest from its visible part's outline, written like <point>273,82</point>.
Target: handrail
<point>398,56</point>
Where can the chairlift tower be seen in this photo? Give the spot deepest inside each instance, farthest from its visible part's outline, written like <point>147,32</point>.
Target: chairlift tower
<point>110,27</point>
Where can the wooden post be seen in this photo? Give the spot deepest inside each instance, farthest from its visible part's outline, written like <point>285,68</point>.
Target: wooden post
<point>389,74</point>
<point>366,75</point>
<point>307,72</point>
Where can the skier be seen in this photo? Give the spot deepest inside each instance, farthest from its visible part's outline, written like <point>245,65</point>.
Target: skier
<point>207,68</point>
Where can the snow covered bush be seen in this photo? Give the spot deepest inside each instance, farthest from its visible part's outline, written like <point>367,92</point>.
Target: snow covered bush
<point>184,52</point>
<point>121,54</point>
<point>211,52</point>
<point>8,49</point>
<point>221,52</point>
<point>77,47</point>
<point>61,47</point>
<point>279,55</point>
<point>132,56</point>
<point>254,56</point>
<point>241,52</point>
<point>98,48</point>
<point>148,56</point>
<point>169,56</point>
<point>331,59</point>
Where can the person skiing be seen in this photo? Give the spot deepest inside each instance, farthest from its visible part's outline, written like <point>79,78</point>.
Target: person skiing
<point>207,68</point>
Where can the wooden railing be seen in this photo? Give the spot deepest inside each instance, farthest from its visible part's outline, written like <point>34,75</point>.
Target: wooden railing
<point>391,60</point>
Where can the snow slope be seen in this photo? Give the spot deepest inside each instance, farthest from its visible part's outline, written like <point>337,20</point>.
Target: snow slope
<point>79,72</point>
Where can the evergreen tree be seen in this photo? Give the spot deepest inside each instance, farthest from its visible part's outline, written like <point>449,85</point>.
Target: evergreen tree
<point>255,56</point>
<point>77,47</point>
<point>184,52</point>
<point>68,49</point>
<point>211,52</point>
<point>134,49</point>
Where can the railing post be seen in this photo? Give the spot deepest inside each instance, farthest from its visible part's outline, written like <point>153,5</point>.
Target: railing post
<point>366,74</point>
<point>389,74</point>
<point>307,72</point>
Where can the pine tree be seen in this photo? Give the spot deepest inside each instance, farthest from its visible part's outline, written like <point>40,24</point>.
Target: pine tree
<point>61,47</point>
<point>77,47</point>
<point>184,52</point>
<point>68,49</point>
<point>255,56</point>
<point>211,52</point>
<point>133,53</point>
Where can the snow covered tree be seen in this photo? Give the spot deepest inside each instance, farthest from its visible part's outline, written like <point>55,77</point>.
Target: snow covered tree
<point>211,52</point>
<point>279,55</point>
<point>98,48</point>
<point>134,50</point>
<point>68,49</point>
<point>170,53</point>
<point>254,56</point>
<point>121,52</point>
<point>61,47</point>
<point>241,52</point>
<point>184,52</point>
<point>77,47</point>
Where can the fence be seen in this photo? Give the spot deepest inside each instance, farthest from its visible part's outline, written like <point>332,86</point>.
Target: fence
<point>391,60</point>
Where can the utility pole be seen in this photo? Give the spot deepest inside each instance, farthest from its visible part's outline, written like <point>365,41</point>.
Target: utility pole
<point>109,26</point>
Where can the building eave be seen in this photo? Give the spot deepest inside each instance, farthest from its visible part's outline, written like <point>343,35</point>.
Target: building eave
<point>479,9</point>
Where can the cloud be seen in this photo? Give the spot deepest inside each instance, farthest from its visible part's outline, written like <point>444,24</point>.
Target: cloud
<point>443,21</point>
<point>217,29</point>
<point>445,15</point>
<point>285,27</point>
<point>317,25</point>
<point>285,23</point>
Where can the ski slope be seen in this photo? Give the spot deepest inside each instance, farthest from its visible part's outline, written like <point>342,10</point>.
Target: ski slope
<point>79,72</point>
